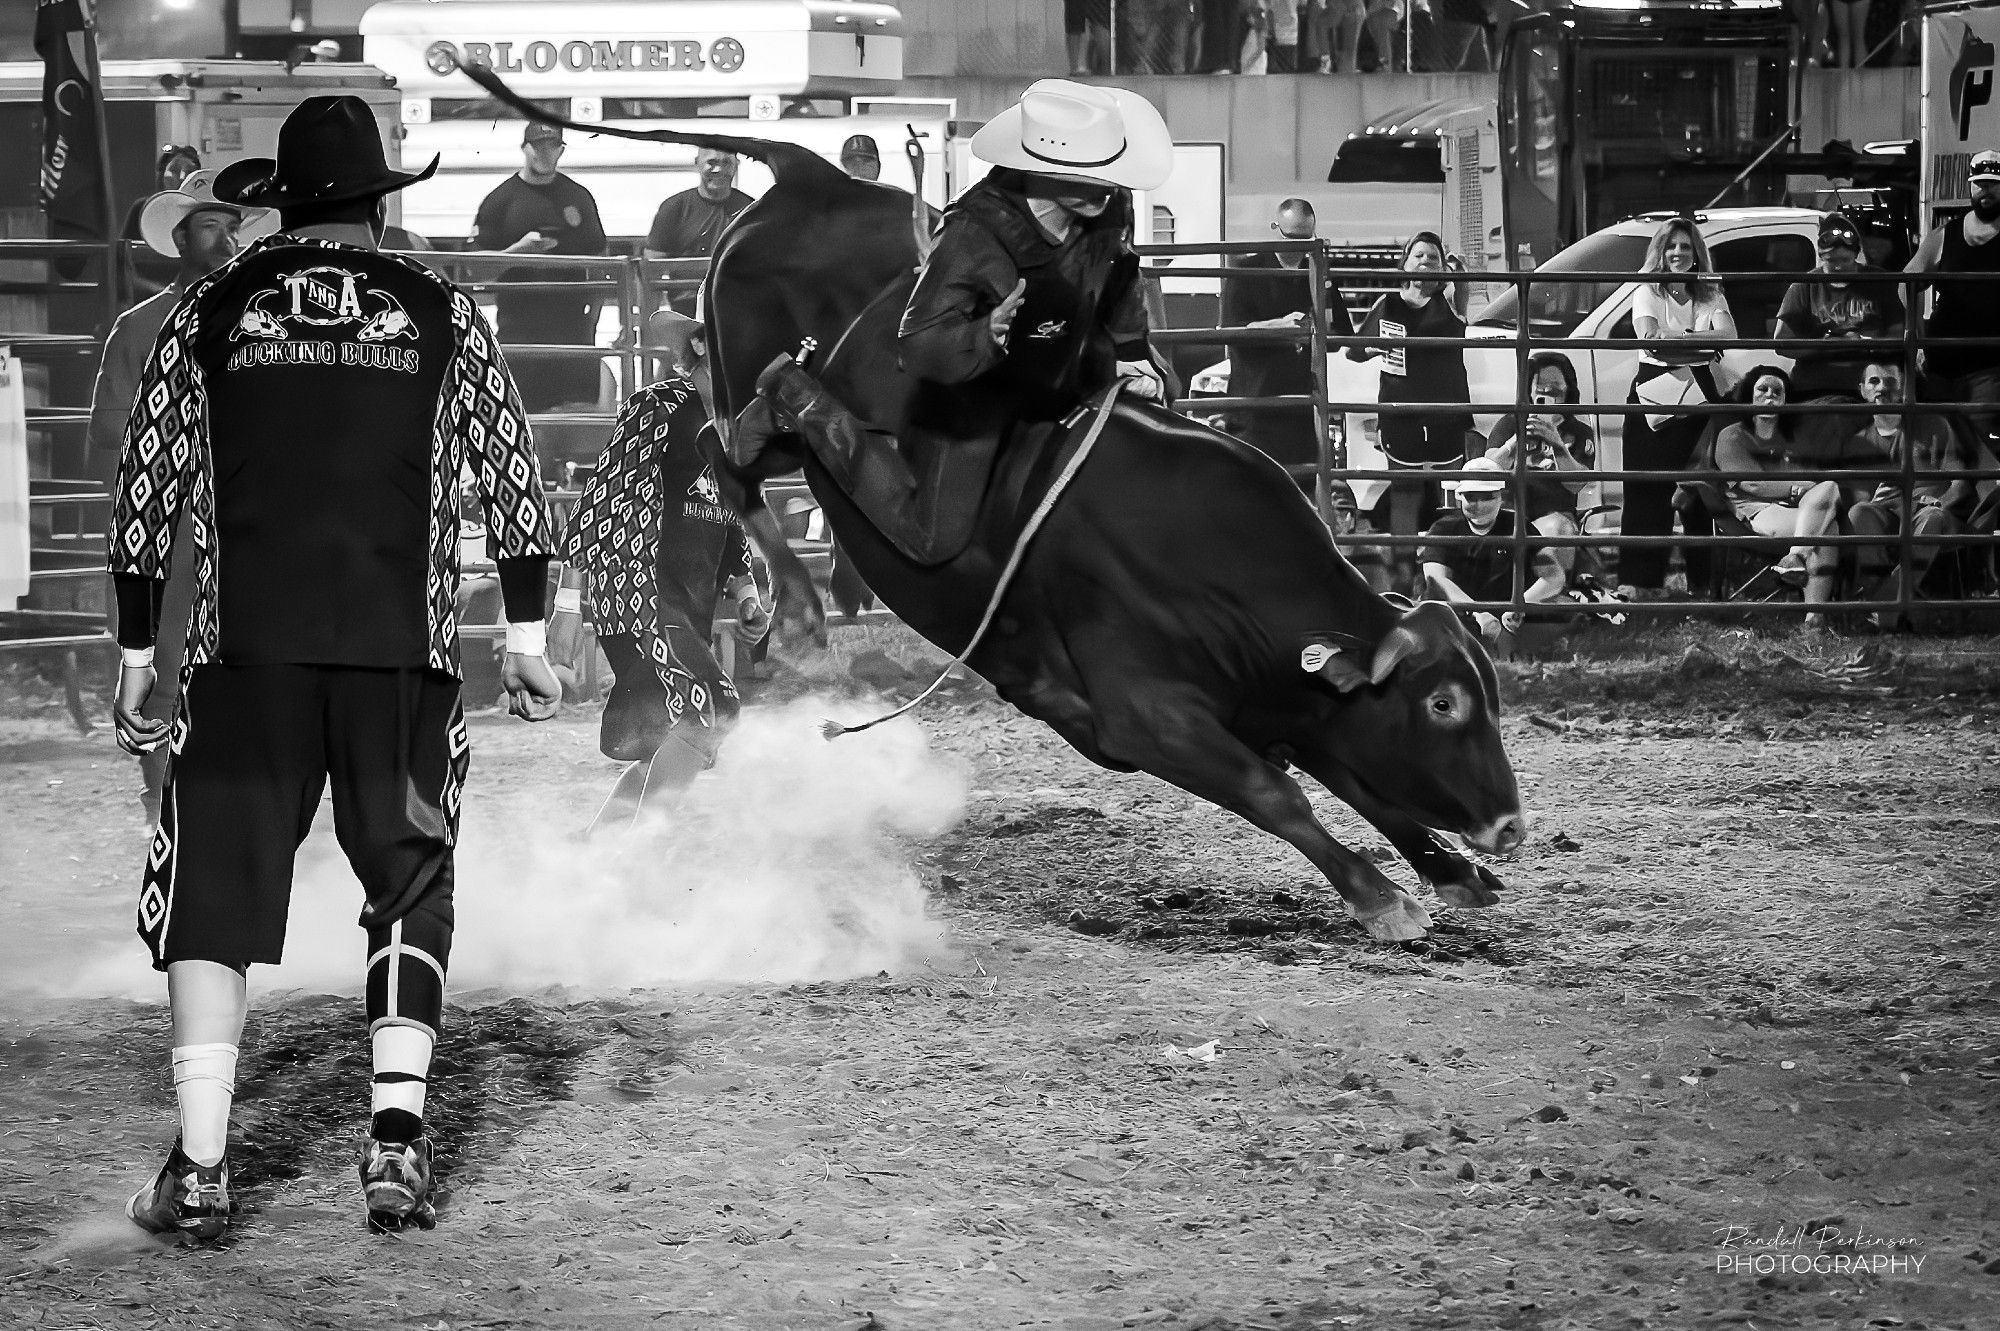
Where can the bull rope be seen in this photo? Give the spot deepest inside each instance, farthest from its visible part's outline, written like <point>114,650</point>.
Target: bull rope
<point>832,730</point>
<point>920,217</point>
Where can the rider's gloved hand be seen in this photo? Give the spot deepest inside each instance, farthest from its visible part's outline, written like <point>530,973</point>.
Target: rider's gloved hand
<point>1142,380</point>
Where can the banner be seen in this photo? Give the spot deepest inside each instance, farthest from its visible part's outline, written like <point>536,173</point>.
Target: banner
<point>13,482</point>
<point>71,193</point>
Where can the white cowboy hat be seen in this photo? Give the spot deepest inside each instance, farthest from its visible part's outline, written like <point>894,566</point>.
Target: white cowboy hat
<point>1107,136</point>
<point>164,211</point>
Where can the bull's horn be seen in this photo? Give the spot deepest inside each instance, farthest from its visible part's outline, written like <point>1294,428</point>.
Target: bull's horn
<point>1400,642</point>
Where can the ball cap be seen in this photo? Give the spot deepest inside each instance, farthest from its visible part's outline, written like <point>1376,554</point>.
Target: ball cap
<point>860,145</point>
<point>540,131</point>
<point>1491,479</point>
<point>1985,166</point>
<point>1836,229</point>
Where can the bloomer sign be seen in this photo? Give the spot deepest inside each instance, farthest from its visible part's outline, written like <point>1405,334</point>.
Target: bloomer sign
<point>723,55</point>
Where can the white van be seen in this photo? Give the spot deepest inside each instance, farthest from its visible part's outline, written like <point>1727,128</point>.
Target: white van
<point>1740,240</point>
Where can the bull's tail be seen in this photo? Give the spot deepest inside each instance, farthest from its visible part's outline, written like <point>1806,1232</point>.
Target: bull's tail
<point>767,151</point>
<point>832,730</point>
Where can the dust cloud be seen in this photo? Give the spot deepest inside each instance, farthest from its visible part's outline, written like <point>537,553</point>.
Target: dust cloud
<point>790,861</point>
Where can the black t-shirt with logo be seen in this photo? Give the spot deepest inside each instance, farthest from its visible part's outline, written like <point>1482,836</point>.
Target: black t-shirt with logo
<point>566,213</point>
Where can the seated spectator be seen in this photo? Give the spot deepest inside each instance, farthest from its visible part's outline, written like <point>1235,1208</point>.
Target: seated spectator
<point>1827,309</point>
<point>1484,570</point>
<point>1939,506</point>
<point>1780,506</point>
<point>1557,442</point>
<point>1370,561</point>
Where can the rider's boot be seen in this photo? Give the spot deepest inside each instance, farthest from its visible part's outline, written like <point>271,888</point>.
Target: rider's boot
<point>870,470</point>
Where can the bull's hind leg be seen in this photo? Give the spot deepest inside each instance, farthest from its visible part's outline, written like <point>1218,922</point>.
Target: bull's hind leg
<point>1172,736</point>
<point>1457,880</point>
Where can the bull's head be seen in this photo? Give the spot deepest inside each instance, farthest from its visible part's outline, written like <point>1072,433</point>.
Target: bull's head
<point>1421,725</point>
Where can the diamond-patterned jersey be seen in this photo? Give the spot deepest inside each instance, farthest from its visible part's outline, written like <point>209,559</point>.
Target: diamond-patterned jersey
<point>652,533</point>
<point>311,406</point>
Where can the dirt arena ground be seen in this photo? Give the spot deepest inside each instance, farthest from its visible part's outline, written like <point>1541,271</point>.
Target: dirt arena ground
<point>1101,1057</point>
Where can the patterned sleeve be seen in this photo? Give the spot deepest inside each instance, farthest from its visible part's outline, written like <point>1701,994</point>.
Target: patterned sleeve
<point>735,558</point>
<point>609,488</point>
<point>165,440</point>
<point>499,448</point>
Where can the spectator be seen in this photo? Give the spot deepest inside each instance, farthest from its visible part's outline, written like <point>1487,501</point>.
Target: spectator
<point>1419,441</point>
<point>1941,506</point>
<point>1484,569</point>
<point>1180,37</point>
<point>1682,310</point>
<point>689,223</point>
<point>1348,520</point>
<point>1221,37</point>
<point>1558,442</point>
<point>1833,310</point>
<point>1380,24</point>
<point>1850,31</point>
<point>1339,35</point>
<point>1273,369</point>
<point>201,235</point>
<point>1282,55</point>
<point>1795,510</point>
<point>860,158</point>
<point>1967,309</point>
<point>1087,33</point>
<point>539,210</point>
<point>147,271</point>
<point>1254,39</point>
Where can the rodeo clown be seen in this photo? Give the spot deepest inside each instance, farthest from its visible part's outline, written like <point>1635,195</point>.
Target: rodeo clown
<point>309,406</point>
<point>658,548</point>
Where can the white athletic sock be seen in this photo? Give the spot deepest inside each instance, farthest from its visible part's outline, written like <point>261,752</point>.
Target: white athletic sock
<point>402,1063</point>
<point>205,1084</point>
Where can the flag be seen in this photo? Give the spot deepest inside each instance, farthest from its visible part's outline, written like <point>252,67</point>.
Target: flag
<point>71,192</point>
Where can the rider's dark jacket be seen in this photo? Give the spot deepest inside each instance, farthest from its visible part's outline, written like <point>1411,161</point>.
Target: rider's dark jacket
<point>1082,312</point>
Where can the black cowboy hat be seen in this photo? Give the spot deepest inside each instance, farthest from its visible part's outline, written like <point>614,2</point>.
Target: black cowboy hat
<point>329,151</point>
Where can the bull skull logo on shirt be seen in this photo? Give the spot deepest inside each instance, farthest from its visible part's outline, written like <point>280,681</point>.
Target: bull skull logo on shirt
<point>324,297</point>
<point>705,488</point>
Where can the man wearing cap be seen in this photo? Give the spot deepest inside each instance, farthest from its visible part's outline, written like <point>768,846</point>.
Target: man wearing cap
<point>688,224</point>
<point>1482,569</point>
<point>860,158</point>
<point>190,225</point>
<point>659,547</point>
<point>1029,306</point>
<point>309,408</point>
<point>539,210</point>
<point>1829,305</point>
<point>1277,293</point>
<point>1966,309</point>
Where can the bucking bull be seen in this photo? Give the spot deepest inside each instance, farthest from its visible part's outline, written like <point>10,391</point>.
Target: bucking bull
<point>1182,611</point>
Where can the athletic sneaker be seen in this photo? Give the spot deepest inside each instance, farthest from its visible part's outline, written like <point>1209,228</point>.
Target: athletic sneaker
<point>396,1179</point>
<point>184,1198</point>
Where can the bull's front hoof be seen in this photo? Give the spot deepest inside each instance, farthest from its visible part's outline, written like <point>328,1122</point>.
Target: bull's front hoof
<point>1403,920</point>
<point>800,625</point>
<point>1476,889</point>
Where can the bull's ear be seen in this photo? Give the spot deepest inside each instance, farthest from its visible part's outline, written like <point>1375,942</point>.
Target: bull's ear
<point>1338,667</point>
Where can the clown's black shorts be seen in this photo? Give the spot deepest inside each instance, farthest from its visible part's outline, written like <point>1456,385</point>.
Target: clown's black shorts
<point>253,749</point>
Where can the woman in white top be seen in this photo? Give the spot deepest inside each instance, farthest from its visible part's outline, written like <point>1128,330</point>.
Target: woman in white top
<point>1681,311</point>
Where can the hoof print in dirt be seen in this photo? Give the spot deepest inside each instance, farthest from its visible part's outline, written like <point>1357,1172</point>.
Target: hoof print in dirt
<point>1094,925</point>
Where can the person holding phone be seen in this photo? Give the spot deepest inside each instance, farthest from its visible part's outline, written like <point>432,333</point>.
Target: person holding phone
<point>539,210</point>
<point>1556,443</point>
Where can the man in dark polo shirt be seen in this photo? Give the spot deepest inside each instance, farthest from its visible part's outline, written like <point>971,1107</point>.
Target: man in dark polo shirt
<point>309,407</point>
<point>1276,292</point>
<point>688,224</point>
<point>539,210</point>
